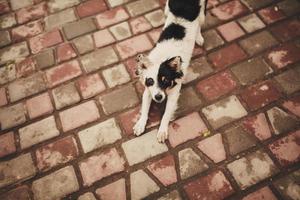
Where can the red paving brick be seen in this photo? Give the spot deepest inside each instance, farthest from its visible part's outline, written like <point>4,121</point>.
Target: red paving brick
<point>66,119</point>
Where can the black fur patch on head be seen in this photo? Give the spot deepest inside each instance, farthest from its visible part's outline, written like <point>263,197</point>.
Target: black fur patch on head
<point>174,31</point>
<point>167,75</point>
<point>186,9</point>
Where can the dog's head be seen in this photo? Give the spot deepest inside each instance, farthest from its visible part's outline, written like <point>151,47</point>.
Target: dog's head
<point>158,78</point>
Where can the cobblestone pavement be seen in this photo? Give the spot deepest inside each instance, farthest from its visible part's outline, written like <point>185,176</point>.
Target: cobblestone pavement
<point>69,99</point>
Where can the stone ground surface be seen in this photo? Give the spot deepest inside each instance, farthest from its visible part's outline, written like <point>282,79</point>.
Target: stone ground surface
<point>69,100</point>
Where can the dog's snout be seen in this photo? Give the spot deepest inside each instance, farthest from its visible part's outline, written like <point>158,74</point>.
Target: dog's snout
<point>158,97</point>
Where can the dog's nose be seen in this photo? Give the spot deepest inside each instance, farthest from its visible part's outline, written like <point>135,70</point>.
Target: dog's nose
<point>158,97</point>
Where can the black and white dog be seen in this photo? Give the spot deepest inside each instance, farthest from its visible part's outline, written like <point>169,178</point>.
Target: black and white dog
<point>163,70</point>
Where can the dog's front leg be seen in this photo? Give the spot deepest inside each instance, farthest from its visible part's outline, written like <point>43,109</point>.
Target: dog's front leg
<point>171,107</point>
<point>139,127</point>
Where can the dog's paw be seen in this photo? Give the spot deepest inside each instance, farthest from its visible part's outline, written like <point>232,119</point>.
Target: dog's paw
<point>139,128</point>
<point>200,40</point>
<point>162,135</point>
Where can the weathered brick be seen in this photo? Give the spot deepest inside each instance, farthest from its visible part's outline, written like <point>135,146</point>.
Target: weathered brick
<point>87,196</point>
<point>251,23</point>
<point>111,17</point>
<point>45,59</point>
<point>62,182</point>
<point>224,111</point>
<point>154,34</point>
<point>287,185</point>
<point>119,99</point>
<point>121,31</point>
<point>12,116</point>
<point>229,10</point>
<point>27,30</point>
<point>142,148</point>
<point>212,40</point>
<point>156,18</point>
<point>59,19</point>
<point>65,95</point>
<point>13,53</point>
<point>21,192</point>
<point>38,132</point>
<point>251,169</point>
<point>58,152</point>
<point>91,7</point>
<point>4,6</point>
<point>4,38</point>
<point>172,195</point>
<point>31,13</point>
<point>231,31</point>
<point>79,28</point>
<point>104,133</point>
<point>101,165</point>
<point>7,20</point>
<point>91,85</point>
<point>263,193</point>
<point>255,4</point>
<point>7,73</point>
<point>289,80</point>
<point>57,5</point>
<point>65,52</point>
<point>260,95</point>
<point>284,55</point>
<point>258,42</point>
<point>188,100</point>
<point>139,25</point>
<point>141,6</point>
<point>25,67</point>
<point>286,30</point>
<point>116,75</point>
<point>289,7</point>
<point>84,44</point>
<point>7,144</point>
<point>293,105</point>
<point>15,4</point>
<point>271,14</point>
<point>18,169</point>
<point>39,105</point>
<point>98,59</point>
<point>112,191</point>
<point>88,113</point>
<point>44,41</point>
<point>103,38</point>
<point>114,3</point>
<point>63,73</point>
<point>3,98</point>
<point>26,86</point>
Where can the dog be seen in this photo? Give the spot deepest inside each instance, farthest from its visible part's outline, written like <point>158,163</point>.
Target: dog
<point>162,71</point>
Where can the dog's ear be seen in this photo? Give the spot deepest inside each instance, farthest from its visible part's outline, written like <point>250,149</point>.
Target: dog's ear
<point>142,61</point>
<point>175,62</point>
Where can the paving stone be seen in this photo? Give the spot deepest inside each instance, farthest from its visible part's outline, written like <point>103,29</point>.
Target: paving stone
<point>258,126</point>
<point>3,98</point>
<point>84,44</point>
<point>141,185</point>
<point>26,86</point>
<point>13,53</point>
<point>251,70</point>
<point>289,7</point>
<point>91,86</point>
<point>63,73</point>
<point>286,30</point>
<point>293,105</point>
<point>15,4</point>
<point>12,116</point>
<point>111,17</point>
<point>65,95</point>
<point>271,14</point>
<point>91,7</point>
<point>21,192</point>
<point>287,149</point>
<point>251,23</point>
<point>99,135</point>
<point>139,25</point>
<point>4,7</point>
<point>212,40</point>
<point>154,34</point>
<point>174,195</point>
<point>263,193</point>
<point>213,186</point>
<point>45,59</point>
<point>98,59</point>
<point>43,41</point>
<point>258,42</point>
<point>87,196</point>
<point>7,20</point>
<point>190,163</point>
<point>227,56</point>
<point>31,13</point>
<point>186,128</point>
<point>114,3</point>
<point>38,132</point>
<point>79,28</point>
<point>188,100</point>
<point>210,21</point>
<point>288,186</point>
<point>121,31</point>
<point>103,38</point>
<point>238,140</point>
<point>119,99</point>
<point>156,18</point>
<point>231,31</point>
<point>198,68</point>
<point>4,38</point>
<point>88,112</point>
<point>116,75</point>
<point>260,95</point>
<point>284,55</point>
<point>59,19</point>
<point>164,170</point>
<point>57,5</point>
<point>7,144</point>
<point>142,148</point>
<point>255,4</point>
<point>101,165</point>
<point>56,185</point>
<point>224,111</point>
<point>27,30</point>
<point>25,67</point>
<point>229,10</point>
<point>281,121</point>
<point>15,170</point>
<point>217,85</point>
<point>7,73</point>
<point>113,191</point>
<point>141,6</point>
<point>213,147</point>
<point>65,52</point>
<point>252,169</point>
<point>289,80</point>
<point>39,105</point>
<point>133,46</point>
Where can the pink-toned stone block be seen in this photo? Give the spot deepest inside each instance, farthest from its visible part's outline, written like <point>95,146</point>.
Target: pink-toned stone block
<point>113,191</point>
<point>39,105</point>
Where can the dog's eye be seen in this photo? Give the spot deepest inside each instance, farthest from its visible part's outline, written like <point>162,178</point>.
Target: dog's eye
<point>149,82</point>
